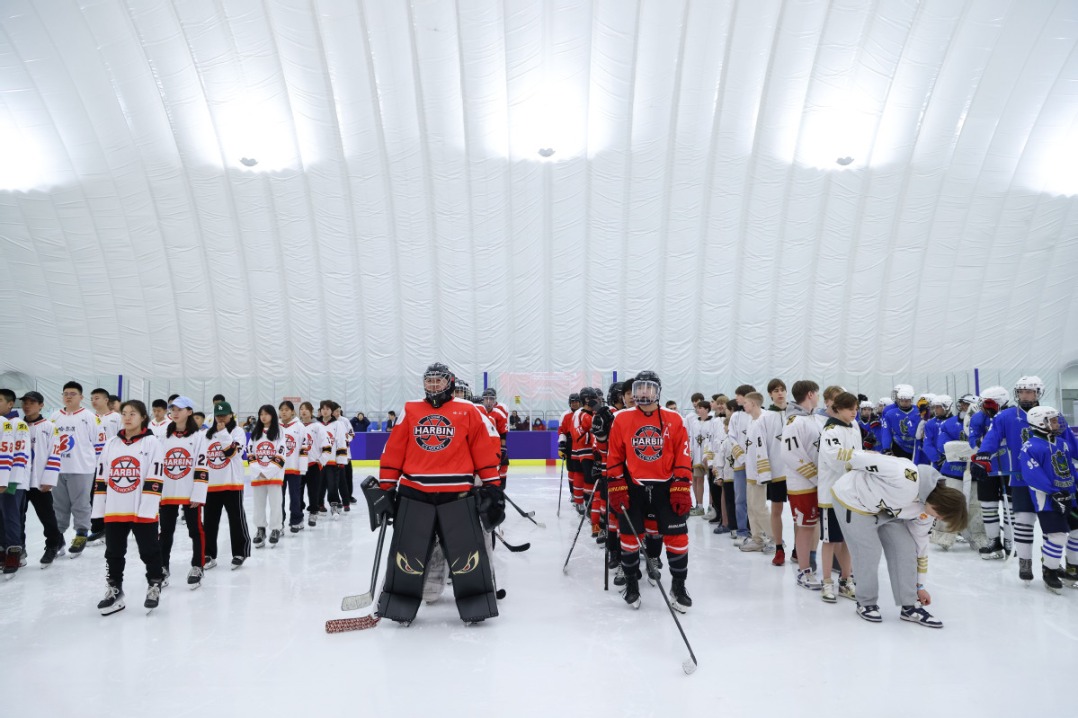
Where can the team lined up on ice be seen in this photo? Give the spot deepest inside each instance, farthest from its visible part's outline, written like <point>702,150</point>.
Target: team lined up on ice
<point>113,474</point>
<point>870,483</point>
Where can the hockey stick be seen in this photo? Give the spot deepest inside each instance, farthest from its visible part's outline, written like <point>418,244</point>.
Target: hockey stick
<point>526,514</point>
<point>340,625</point>
<point>511,547</point>
<point>354,603</point>
<point>689,665</point>
<point>1008,517</point>
<point>561,483</point>
<point>587,512</point>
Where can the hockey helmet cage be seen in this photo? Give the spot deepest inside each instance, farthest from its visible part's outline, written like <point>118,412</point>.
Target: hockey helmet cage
<point>590,397</point>
<point>437,370</point>
<point>647,388</point>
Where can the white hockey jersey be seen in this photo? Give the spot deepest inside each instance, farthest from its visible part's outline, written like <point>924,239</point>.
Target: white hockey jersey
<point>800,446</point>
<point>223,459</point>
<point>44,456</point>
<point>317,444</point>
<point>15,453</point>
<point>184,469</point>
<point>295,463</point>
<point>702,438</point>
<point>342,448</point>
<point>266,458</point>
<point>839,443</point>
<point>765,449</point>
<point>892,485</point>
<point>111,424</point>
<point>128,484</point>
<point>160,428</point>
<point>81,440</point>
<point>739,432</point>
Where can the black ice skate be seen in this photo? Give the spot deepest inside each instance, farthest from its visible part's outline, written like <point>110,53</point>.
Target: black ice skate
<point>112,602</point>
<point>632,590</point>
<point>153,596</point>
<point>681,601</point>
<point>1025,570</point>
<point>1051,579</point>
<point>993,551</point>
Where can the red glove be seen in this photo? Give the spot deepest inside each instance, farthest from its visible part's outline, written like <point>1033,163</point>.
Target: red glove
<point>680,497</point>
<point>979,466</point>
<point>618,496</point>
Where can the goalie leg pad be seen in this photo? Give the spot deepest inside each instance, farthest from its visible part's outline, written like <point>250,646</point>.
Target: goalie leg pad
<point>409,554</point>
<point>462,539</point>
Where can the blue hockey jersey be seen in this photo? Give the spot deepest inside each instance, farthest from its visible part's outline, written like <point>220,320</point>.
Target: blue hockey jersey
<point>930,453</point>
<point>1047,468</point>
<point>949,430</point>
<point>899,427</point>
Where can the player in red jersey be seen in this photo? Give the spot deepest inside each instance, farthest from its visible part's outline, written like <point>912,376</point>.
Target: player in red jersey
<point>572,466</point>
<point>427,469</point>
<point>500,418</point>
<point>650,471</point>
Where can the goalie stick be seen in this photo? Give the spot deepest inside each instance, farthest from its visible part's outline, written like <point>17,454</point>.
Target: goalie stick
<point>354,603</point>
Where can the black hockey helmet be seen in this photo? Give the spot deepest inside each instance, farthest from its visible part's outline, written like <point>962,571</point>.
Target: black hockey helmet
<point>590,397</point>
<point>613,396</point>
<point>462,390</point>
<point>490,397</point>
<point>647,387</point>
<point>574,397</point>
<point>437,370</point>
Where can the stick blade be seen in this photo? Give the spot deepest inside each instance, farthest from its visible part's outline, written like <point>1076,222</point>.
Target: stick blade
<point>689,666</point>
<point>341,625</point>
<point>540,524</point>
<point>354,603</point>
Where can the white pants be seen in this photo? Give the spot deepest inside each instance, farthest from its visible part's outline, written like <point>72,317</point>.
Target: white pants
<point>272,492</point>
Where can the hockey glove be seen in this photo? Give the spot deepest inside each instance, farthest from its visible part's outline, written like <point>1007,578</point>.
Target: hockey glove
<point>490,500</point>
<point>504,457</point>
<point>979,466</point>
<point>1061,501</point>
<point>12,487</point>
<point>618,496</point>
<point>680,497</point>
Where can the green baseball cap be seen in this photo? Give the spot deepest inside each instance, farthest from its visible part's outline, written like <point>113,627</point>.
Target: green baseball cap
<point>222,408</point>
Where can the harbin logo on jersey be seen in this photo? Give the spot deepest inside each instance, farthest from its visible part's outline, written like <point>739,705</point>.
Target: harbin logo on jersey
<point>215,456</point>
<point>433,432</point>
<point>177,463</point>
<point>647,443</point>
<point>290,444</point>
<point>65,443</point>
<point>264,452</point>
<point>124,474</point>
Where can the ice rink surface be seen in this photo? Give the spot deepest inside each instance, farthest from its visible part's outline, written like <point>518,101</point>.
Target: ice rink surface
<point>252,642</point>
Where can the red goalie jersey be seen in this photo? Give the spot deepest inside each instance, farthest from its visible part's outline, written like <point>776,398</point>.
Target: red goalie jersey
<point>648,448</point>
<point>439,450</point>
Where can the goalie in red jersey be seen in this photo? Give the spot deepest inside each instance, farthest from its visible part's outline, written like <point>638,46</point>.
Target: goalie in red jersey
<point>650,472</point>
<point>438,445</point>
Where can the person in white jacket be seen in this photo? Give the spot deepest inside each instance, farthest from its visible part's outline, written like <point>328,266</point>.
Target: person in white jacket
<point>44,473</point>
<point>886,506</point>
<point>127,495</point>
<point>266,452</point>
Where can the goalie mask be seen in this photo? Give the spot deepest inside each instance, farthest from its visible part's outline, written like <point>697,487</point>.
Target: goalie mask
<point>1028,383</point>
<point>647,388</point>
<point>1044,419</point>
<point>438,384</point>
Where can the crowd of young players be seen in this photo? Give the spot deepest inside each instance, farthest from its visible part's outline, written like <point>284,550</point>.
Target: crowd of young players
<point>123,470</point>
<point>850,468</point>
<point>865,479</point>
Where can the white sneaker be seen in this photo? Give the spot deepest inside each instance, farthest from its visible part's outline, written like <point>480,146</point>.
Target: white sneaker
<point>769,547</point>
<point>710,513</point>
<point>696,511</point>
<point>828,592</point>
<point>807,579</point>
<point>847,588</point>
<point>751,544</point>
